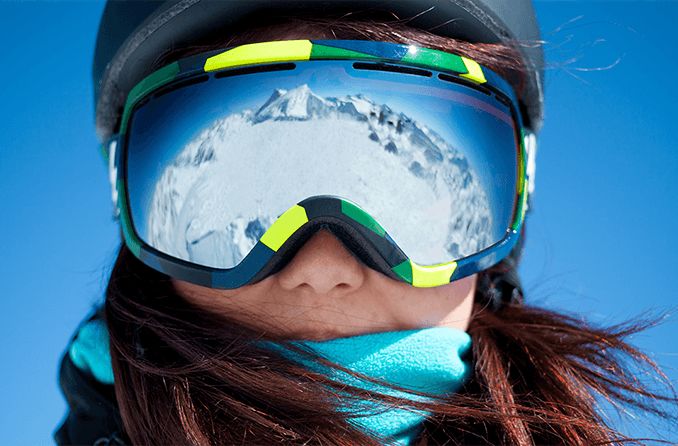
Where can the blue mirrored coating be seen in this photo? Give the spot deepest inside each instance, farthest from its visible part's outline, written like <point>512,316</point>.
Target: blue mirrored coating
<point>210,166</point>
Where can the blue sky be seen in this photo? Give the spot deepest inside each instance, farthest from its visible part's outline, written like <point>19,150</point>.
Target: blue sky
<point>601,237</point>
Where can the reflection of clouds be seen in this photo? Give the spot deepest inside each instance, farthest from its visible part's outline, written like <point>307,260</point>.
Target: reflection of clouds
<point>422,191</point>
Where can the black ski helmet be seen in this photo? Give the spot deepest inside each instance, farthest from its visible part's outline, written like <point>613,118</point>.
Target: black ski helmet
<point>132,33</point>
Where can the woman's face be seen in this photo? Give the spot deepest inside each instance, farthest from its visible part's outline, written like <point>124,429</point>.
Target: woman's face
<point>325,292</point>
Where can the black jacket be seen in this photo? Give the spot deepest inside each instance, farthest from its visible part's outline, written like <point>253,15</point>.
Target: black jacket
<point>93,417</point>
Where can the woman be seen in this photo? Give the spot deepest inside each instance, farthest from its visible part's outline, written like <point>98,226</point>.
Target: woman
<point>328,341</point>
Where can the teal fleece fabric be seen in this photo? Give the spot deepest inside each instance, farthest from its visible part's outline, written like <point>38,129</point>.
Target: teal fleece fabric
<point>89,351</point>
<point>430,359</point>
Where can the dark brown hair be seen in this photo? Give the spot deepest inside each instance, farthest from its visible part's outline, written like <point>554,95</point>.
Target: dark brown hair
<point>187,376</point>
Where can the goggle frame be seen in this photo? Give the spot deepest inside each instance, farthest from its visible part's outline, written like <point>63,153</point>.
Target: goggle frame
<point>386,54</point>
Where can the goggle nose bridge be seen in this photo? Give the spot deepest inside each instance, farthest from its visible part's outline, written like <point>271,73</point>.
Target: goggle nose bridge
<point>347,232</point>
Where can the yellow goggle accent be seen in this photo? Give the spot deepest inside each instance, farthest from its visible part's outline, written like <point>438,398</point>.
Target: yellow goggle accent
<point>252,53</point>
<point>281,229</point>
<point>432,275</point>
<point>475,72</point>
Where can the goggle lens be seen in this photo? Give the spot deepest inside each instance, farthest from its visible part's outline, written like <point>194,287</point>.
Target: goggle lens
<point>211,165</point>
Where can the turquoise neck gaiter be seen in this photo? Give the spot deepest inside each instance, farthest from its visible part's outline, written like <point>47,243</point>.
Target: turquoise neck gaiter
<point>435,360</point>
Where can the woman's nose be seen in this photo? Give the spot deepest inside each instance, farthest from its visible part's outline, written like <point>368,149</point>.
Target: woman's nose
<point>323,265</point>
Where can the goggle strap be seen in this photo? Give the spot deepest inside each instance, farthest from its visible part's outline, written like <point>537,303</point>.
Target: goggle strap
<point>501,289</point>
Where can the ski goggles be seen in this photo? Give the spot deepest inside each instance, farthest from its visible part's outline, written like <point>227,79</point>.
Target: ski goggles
<point>226,162</point>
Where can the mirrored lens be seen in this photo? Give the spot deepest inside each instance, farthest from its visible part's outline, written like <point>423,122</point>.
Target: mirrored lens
<point>210,166</point>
